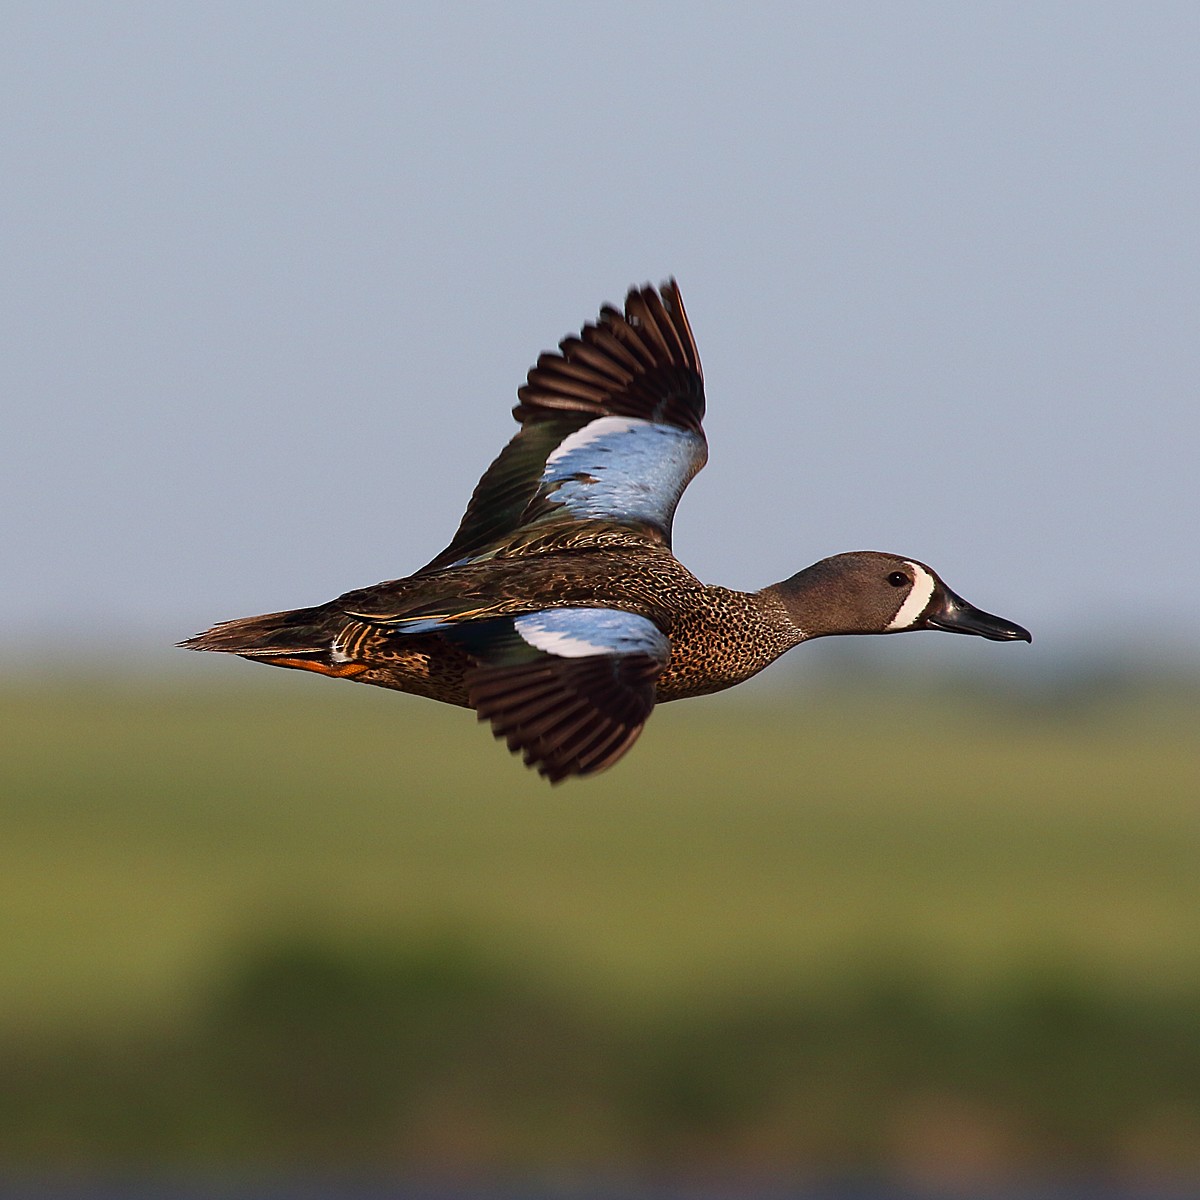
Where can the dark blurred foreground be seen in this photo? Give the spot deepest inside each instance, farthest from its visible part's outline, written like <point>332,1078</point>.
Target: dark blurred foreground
<point>610,1189</point>
<point>432,1057</point>
<point>607,1189</point>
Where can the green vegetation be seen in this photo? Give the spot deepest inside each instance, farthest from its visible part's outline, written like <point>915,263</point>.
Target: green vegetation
<point>289,922</point>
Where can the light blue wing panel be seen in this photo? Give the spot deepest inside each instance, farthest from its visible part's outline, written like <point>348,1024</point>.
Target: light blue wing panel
<point>569,687</point>
<point>621,470</point>
<point>580,632</point>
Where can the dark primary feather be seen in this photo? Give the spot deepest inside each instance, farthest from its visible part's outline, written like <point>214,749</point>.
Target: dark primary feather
<point>642,363</point>
<point>570,716</point>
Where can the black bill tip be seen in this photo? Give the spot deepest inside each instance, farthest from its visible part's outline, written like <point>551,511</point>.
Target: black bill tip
<point>952,614</point>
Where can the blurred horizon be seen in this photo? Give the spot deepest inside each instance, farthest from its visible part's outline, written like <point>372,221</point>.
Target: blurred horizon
<point>1149,656</point>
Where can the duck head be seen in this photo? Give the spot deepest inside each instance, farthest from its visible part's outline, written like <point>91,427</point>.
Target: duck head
<point>868,592</point>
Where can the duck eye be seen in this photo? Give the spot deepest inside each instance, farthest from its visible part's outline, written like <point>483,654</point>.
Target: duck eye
<point>898,579</point>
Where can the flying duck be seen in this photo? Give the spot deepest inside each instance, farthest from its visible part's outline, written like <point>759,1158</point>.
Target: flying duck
<point>558,611</point>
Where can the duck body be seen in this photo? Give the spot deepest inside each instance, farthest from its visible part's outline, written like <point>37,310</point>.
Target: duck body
<point>558,610</point>
<point>718,636</point>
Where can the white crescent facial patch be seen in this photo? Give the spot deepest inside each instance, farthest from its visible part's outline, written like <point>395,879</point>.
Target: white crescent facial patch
<point>916,601</point>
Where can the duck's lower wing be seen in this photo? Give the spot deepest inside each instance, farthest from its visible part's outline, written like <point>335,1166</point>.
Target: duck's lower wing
<point>571,688</point>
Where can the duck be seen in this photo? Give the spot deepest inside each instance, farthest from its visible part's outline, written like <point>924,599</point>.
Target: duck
<point>558,611</point>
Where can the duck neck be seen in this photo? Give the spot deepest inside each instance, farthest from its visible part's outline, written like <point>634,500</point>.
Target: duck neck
<point>810,599</point>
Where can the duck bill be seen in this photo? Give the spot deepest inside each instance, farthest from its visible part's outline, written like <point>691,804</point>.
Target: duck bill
<point>953,614</point>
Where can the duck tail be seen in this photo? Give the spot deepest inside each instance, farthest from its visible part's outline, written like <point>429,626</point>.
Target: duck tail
<point>272,635</point>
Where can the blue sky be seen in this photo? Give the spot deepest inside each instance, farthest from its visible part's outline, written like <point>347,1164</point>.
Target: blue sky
<point>273,273</point>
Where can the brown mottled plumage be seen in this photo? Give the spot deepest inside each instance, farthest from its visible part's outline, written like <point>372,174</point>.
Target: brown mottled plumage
<point>558,611</point>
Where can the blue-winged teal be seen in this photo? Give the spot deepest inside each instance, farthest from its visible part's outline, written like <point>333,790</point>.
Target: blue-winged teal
<point>558,611</point>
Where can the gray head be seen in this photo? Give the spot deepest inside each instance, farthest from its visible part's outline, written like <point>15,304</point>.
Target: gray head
<point>869,592</point>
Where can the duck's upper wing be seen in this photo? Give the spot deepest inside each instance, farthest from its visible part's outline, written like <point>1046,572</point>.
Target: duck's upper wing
<point>611,434</point>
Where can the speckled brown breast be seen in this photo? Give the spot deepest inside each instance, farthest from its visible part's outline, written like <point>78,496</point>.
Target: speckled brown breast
<point>720,637</point>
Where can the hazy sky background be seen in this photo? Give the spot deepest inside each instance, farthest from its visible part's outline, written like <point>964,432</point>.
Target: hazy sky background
<point>273,272</point>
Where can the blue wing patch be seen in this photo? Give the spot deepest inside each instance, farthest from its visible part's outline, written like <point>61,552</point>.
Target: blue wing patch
<point>421,624</point>
<point>579,632</point>
<point>622,469</point>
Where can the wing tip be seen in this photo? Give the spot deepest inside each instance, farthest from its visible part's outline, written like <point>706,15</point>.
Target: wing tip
<point>567,717</point>
<point>642,361</point>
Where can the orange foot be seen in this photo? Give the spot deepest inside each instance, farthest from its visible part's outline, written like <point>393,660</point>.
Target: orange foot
<point>340,671</point>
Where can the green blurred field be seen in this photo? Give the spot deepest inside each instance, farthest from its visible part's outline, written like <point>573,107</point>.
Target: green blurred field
<point>157,831</point>
<point>149,826</point>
